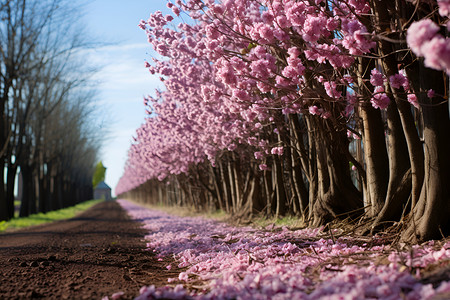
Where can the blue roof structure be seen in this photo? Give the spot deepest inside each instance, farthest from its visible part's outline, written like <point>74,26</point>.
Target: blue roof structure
<point>103,186</point>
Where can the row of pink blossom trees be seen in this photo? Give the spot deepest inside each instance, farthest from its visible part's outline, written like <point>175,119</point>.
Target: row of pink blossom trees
<point>322,109</point>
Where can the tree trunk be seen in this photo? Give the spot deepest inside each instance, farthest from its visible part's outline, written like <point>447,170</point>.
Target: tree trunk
<point>375,153</point>
<point>28,204</point>
<point>10,182</point>
<point>232,182</point>
<point>226,187</point>
<point>280,192</point>
<point>399,171</point>
<point>429,219</point>
<point>390,66</point>
<point>337,196</point>
<point>4,216</point>
<point>268,189</point>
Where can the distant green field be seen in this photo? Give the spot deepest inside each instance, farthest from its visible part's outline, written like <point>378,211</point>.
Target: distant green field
<point>40,218</point>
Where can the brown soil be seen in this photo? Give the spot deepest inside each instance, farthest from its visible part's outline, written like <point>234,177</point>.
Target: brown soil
<point>96,254</point>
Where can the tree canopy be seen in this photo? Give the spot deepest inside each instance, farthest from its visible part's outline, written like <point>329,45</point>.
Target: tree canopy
<point>99,174</point>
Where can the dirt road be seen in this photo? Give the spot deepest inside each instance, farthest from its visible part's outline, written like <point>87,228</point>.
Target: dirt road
<point>96,254</point>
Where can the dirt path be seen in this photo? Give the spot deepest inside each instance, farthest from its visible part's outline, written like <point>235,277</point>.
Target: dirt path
<point>96,254</point>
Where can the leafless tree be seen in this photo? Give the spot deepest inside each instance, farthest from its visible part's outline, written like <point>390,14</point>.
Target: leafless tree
<point>39,80</point>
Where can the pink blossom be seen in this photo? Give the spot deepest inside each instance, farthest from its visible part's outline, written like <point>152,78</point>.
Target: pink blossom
<point>397,80</point>
<point>263,167</point>
<point>314,110</point>
<point>406,82</point>
<point>430,93</point>
<point>259,155</point>
<point>419,33</point>
<point>313,28</point>
<point>376,78</point>
<point>326,115</point>
<point>295,14</point>
<point>332,24</point>
<point>413,100</point>
<point>217,9</point>
<point>290,72</point>
<point>117,296</point>
<point>241,94</point>
<point>444,7</point>
<point>380,99</point>
<point>277,151</point>
<point>266,33</point>
<point>283,22</point>
<point>437,53</point>
<point>267,17</point>
<point>331,89</point>
<point>282,82</point>
<point>176,10</point>
<point>183,276</point>
<point>212,32</point>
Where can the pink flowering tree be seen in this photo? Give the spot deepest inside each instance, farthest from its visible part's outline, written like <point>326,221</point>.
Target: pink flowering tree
<point>191,122</point>
<point>316,107</point>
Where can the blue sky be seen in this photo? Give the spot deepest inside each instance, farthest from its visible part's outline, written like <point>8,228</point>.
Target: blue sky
<point>123,80</point>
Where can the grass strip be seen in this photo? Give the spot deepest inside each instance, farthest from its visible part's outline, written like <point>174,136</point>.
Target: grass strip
<point>41,218</point>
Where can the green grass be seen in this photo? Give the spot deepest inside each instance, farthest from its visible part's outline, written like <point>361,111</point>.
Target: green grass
<point>40,218</point>
<point>184,211</point>
<point>289,221</point>
<point>16,211</point>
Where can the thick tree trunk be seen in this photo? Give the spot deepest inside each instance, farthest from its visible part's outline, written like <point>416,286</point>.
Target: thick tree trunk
<point>336,195</point>
<point>384,12</point>
<point>339,198</point>
<point>429,219</point>
<point>390,67</point>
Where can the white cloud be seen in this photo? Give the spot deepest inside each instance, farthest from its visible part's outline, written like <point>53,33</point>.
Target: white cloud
<point>122,83</point>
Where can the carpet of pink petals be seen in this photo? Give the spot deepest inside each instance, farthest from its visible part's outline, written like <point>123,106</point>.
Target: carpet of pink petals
<point>219,261</point>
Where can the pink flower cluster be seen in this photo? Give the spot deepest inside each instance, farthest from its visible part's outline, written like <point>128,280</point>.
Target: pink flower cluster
<point>424,39</point>
<point>397,81</point>
<point>278,263</point>
<point>379,99</point>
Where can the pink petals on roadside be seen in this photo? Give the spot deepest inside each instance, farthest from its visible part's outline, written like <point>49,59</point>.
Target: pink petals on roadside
<point>277,263</point>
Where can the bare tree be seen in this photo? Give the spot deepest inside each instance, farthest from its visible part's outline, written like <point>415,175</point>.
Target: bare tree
<point>39,41</point>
